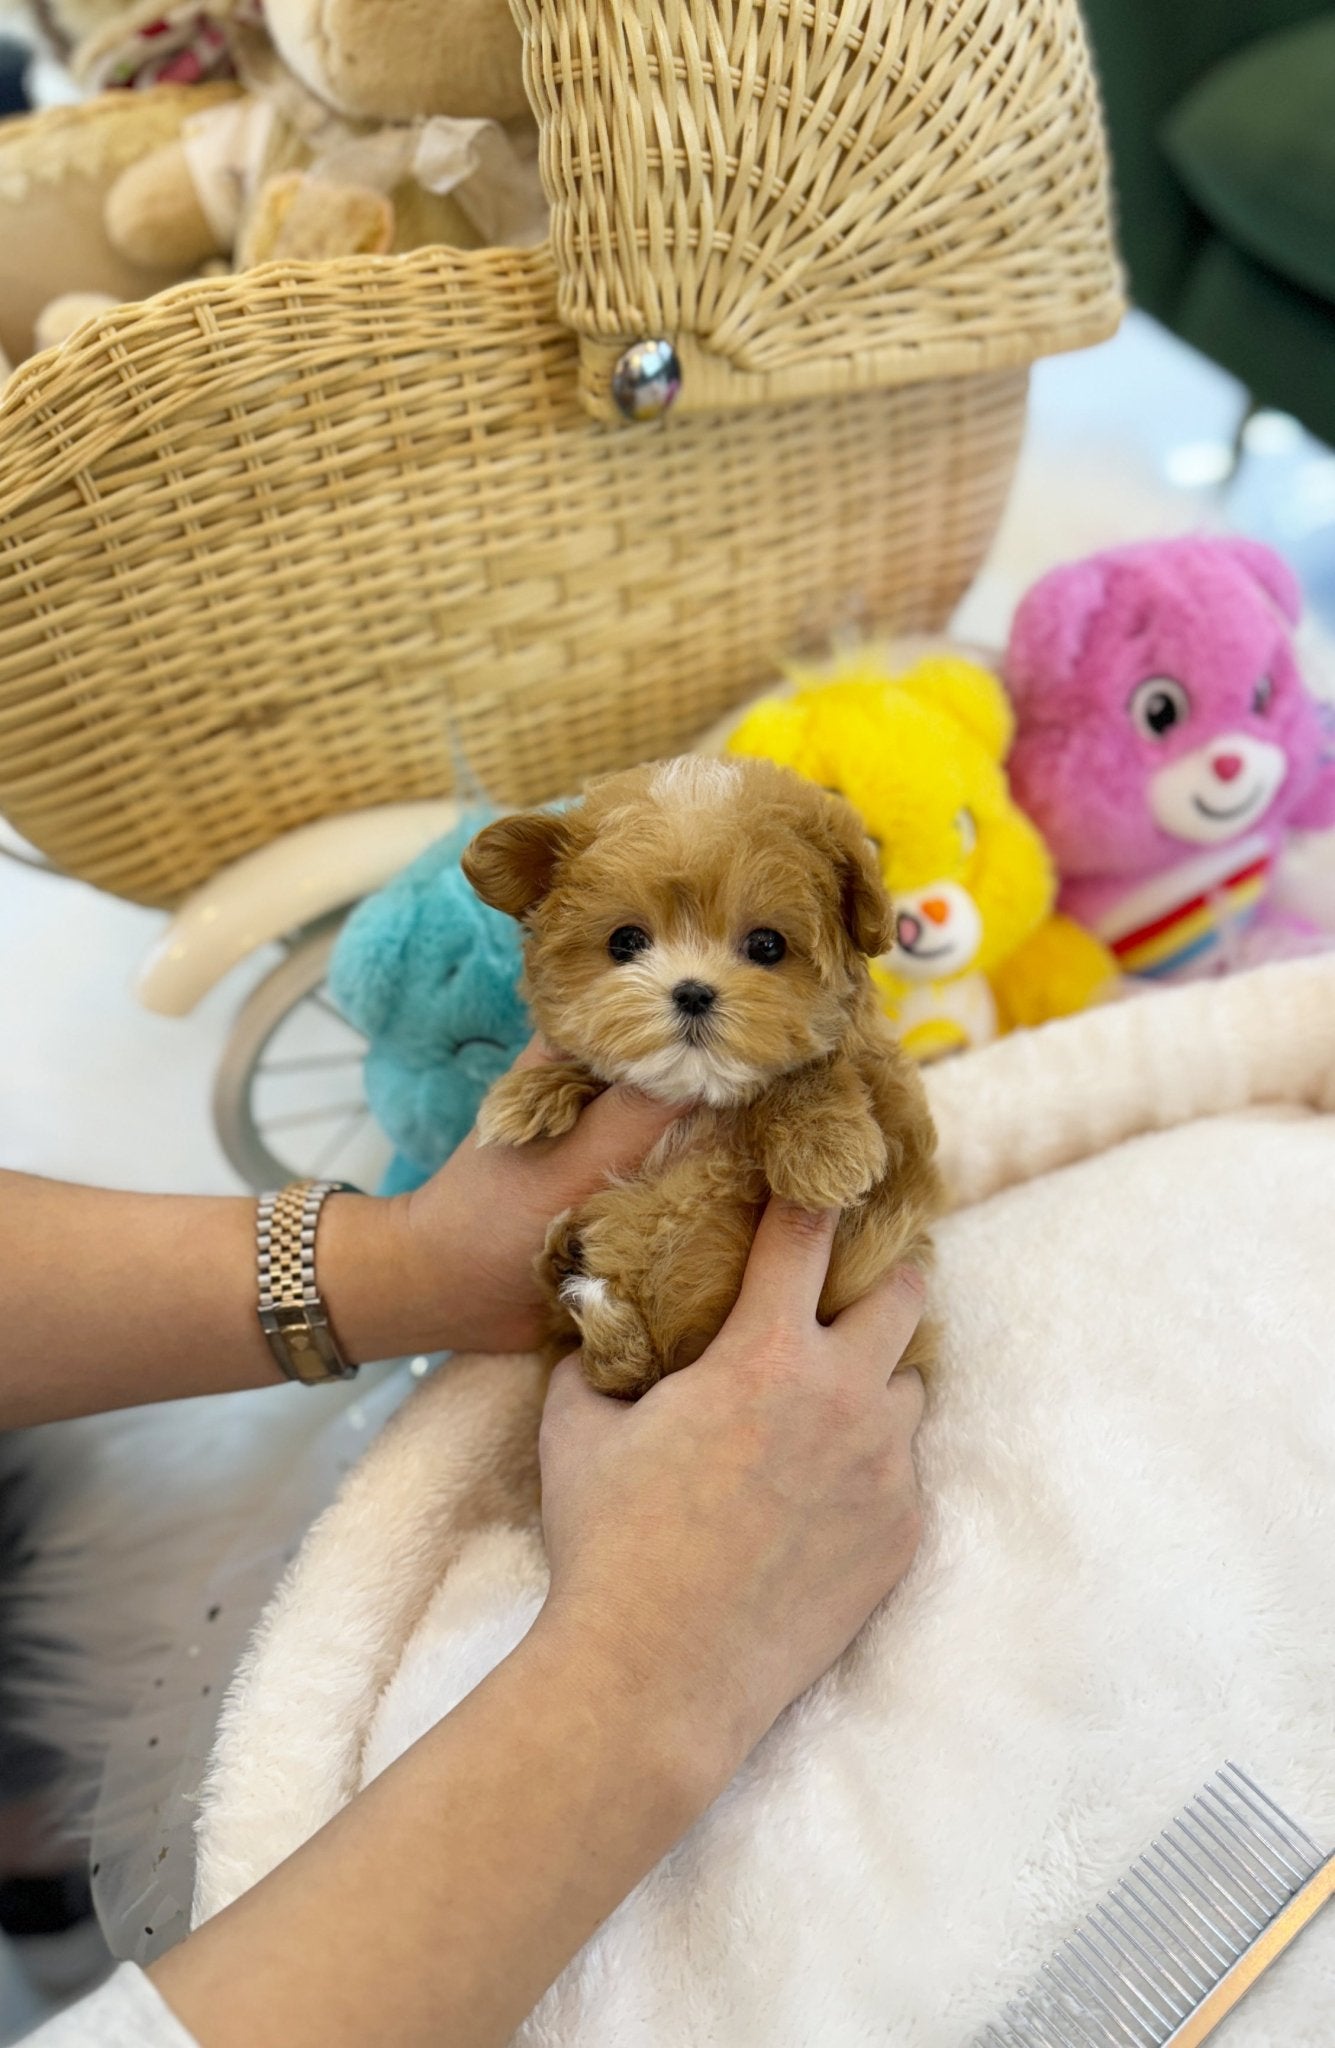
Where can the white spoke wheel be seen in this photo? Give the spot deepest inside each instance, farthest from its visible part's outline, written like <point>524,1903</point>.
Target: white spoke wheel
<point>288,1100</point>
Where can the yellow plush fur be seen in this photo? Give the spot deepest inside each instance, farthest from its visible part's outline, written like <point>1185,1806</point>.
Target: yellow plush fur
<point>920,757</point>
<point>754,901</point>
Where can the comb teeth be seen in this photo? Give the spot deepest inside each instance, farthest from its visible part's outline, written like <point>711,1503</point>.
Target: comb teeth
<point>1184,1913</point>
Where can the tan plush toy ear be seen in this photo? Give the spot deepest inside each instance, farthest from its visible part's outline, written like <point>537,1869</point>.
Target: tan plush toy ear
<point>153,214</point>
<point>392,60</point>
<point>510,864</point>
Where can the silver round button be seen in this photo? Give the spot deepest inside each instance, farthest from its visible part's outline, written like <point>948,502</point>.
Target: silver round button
<point>646,380</point>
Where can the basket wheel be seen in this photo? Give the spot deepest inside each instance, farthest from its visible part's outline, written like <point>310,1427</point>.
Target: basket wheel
<point>288,1098</point>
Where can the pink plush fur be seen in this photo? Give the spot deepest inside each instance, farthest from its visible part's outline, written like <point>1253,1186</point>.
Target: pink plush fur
<point>1164,729</point>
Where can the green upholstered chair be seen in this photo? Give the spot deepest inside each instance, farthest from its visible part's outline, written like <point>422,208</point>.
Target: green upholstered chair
<point>1222,121</point>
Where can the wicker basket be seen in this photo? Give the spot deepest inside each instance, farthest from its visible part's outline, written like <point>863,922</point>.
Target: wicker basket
<point>313,538</point>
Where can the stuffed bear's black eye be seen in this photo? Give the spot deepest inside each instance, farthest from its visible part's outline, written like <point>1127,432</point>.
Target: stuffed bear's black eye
<point>628,940</point>
<point>1158,705</point>
<point>765,947</point>
<point>1261,696</point>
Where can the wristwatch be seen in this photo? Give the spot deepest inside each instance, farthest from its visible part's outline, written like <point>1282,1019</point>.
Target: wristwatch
<point>292,1313</point>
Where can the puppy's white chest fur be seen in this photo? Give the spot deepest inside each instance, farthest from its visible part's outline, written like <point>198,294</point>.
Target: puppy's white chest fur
<point>691,1073</point>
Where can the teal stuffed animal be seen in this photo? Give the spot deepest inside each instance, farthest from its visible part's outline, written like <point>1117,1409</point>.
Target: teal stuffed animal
<point>431,976</point>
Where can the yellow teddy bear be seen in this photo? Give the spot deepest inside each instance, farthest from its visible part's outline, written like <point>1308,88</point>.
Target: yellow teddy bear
<point>919,755</point>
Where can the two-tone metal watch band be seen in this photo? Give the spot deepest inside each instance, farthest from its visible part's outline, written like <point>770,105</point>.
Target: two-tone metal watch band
<point>292,1312</point>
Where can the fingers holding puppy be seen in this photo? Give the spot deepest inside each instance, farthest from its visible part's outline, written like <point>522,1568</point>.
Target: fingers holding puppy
<point>884,1330</point>
<point>790,1257</point>
<point>781,1291</point>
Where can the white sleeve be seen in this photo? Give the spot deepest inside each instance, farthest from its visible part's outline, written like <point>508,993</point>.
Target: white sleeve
<point>125,2012</point>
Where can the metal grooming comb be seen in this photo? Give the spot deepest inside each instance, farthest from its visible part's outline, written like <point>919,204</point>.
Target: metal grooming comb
<point>1189,1929</point>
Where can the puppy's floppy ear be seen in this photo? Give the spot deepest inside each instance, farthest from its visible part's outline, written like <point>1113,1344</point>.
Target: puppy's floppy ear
<point>865,905</point>
<point>511,863</point>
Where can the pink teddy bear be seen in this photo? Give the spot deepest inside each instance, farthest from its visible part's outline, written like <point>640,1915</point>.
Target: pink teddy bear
<point>1167,744</point>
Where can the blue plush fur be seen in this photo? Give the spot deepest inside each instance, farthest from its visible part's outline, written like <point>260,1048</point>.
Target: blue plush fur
<point>430,975</point>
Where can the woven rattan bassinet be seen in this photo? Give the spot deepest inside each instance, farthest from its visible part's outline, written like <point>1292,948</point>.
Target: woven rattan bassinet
<point>317,537</point>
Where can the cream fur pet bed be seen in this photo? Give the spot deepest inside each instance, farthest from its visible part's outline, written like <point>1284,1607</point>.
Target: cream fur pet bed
<point>1126,1576</point>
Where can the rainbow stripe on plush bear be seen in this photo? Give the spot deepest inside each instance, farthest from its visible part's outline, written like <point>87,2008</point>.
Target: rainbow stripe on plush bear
<point>1161,945</point>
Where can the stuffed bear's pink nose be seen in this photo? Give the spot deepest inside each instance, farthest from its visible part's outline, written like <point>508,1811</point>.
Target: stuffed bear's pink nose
<point>908,929</point>
<point>1226,766</point>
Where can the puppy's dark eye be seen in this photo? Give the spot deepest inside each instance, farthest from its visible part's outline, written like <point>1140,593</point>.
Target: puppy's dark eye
<point>765,947</point>
<point>628,940</point>
<point>1261,696</point>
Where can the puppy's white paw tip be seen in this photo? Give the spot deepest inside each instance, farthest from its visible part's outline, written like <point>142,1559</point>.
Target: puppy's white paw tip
<point>582,1293</point>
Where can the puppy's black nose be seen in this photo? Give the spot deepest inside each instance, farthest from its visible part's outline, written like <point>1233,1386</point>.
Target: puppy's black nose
<point>693,998</point>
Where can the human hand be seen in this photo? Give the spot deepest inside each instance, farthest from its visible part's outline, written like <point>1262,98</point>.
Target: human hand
<point>468,1240</point>
<point>717,1544</point>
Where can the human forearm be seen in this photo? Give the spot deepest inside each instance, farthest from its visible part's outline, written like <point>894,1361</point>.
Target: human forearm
<point>473,1869</point>
<point>110,1299</point>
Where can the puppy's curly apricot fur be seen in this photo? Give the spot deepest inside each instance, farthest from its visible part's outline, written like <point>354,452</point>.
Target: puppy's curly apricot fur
<point>700,929</point>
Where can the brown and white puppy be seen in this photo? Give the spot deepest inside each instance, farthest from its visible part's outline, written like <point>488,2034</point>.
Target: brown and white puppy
<point>700,929</point>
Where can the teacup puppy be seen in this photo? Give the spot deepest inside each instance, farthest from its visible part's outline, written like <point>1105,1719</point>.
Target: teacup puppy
<point>700,929</point>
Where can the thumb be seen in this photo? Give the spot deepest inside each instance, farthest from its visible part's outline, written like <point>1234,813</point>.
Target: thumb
<point>572,1403</point>
<point>616,1131</point>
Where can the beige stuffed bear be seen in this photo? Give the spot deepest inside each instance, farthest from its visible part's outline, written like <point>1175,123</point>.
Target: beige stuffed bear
<point>140,42</point>
<point>298,129</point>
<point>55,169</point>
<point>391,60</point>
<point>321,158</point>
<point>57,263</point>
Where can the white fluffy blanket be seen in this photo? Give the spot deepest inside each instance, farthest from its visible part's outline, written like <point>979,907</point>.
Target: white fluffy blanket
<point>1126,1575</point>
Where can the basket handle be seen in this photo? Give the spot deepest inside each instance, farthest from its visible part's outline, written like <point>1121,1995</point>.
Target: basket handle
<point>819,197</point>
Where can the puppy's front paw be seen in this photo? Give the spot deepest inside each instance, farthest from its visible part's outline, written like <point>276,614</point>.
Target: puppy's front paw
<point>617,1351</point>
<point>534,1102</point>
<point>615,1346</point>
<point>828,1165</point>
